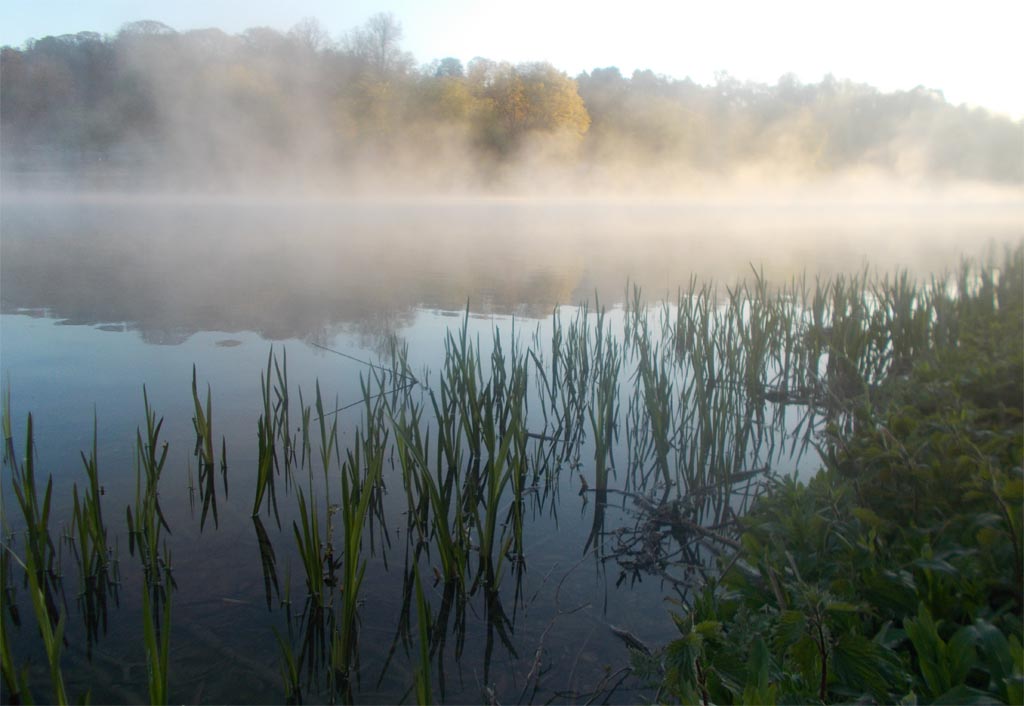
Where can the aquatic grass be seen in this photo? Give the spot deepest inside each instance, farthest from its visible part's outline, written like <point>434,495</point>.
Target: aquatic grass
<point>147,522</point>
<point>52,634</point>
<point>41,554</point>
<point>282,406</point>
<point>328,440</point>
<point>290,672</point>
<point>493,481</point>
<point>9,456</point>
<point>38,565</point>
<point>202,421</point>
<point>156,632</point>
<point>91,551</point>
<point>311,548</point>
<point>658,397</point>
<point>361,472</point>
<point>15,681</point>
<point>267,432</point>
<point>603,414</point>
<point>268,561</point>
<point>441,499</point>
<point>424,694</point>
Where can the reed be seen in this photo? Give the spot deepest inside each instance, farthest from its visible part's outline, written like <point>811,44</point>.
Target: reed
<point>90,549</point>
<point>290,671</point>
<point>361,474</point>
<point>312,554</point>
<point>40,551</point>
<point>603,414</point>
<point>147,522</point>
<point>156,633</point>
<point>15,681</point>
<point>202,421</point>
<point>268,561</point>
<point>267,433</point>
<point>38,565</point>
<point>52,634</point>
<point>424,694</point>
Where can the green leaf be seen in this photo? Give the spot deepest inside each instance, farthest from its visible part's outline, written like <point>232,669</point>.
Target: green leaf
<point>680,658</point>
<point>841,607</point>
<point>930,650</point>
<point>938,566</point>
<point>805,656</point>
<point>1013,491</point>
<point>709,629</point>
<point>791,627</point>
<point>964,695</point>
<point>868,517</point>
<point>860,663</point>
<point>961,654</point>
<point>996,649</point>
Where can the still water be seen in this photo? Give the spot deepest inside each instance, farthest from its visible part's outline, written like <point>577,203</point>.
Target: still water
<point>102,294</point>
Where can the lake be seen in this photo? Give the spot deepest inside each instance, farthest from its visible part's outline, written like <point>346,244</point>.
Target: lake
<point>104,293</point>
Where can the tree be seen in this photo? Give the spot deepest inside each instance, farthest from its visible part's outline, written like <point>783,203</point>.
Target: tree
<point>146,27</point>
<point>449,67</point>
<point>528,98</point>
<point>377,45</point>
<point>310,35</point>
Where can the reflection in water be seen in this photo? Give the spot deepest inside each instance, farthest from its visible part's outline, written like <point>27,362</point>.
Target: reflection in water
<point>668,417</point>
<point>172,266</point>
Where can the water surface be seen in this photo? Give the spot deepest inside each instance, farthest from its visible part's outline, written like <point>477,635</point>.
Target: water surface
<point>103,293</point>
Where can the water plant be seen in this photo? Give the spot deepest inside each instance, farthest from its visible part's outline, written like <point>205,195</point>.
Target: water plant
<point>156,633</point>
<point>38,565</point>
<point>98,575</point>
<point>361,473</point>
<point>202,421</point>
<point>267,433</point>
<point>147,523</point>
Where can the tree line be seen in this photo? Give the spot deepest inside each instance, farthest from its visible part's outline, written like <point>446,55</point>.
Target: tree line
<point>299,102</point>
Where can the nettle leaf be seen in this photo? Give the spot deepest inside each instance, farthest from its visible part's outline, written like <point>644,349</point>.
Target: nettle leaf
<point>684,623</point>
<point>709,629</point>
<point>807,660</point>
<point>791,627</point>
<point>680,657</point>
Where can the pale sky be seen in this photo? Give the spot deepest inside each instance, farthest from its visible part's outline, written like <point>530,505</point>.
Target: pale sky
<point>969,50</point>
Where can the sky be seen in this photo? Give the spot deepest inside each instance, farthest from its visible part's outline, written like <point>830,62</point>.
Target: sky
<point>969,50</point>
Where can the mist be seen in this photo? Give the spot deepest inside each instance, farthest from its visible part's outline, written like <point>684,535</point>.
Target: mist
<point>175,182</point>
<point>302,113</point>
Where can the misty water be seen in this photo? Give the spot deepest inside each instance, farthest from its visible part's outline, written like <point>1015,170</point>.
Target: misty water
<point>102,293</point>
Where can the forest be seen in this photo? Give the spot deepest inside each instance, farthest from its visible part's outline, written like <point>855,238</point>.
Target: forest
<point>301,105</point>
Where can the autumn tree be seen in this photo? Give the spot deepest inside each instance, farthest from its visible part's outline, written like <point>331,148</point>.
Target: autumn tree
<point>526,99</point>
